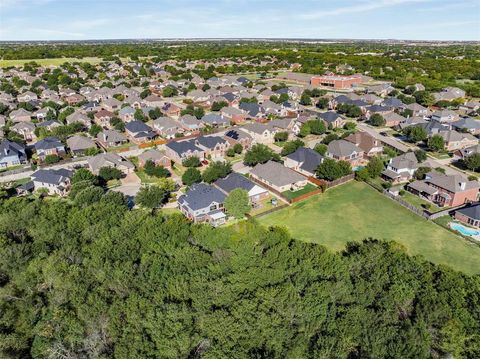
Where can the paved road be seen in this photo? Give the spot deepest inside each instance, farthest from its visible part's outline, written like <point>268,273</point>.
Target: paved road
<point>130,186</point>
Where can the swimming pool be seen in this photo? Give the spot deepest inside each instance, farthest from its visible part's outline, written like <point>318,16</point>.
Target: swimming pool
<point>466,231</point>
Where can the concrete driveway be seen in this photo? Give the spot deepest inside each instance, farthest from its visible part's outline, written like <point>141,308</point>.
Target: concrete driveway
<point>240,168</point>
<point>130,186</point>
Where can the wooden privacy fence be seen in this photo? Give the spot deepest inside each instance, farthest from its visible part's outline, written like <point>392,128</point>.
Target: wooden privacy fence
<point>341,180</point>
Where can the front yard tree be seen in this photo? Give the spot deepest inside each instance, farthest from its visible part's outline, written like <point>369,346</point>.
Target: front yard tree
<point>237,204</point>
<point>305,100</point>
<point>191,176</point>
<point>88,196</point>
<point>472,162</point>
<point>151,197</point>
<point>421,155</point>
<point>281,136</point>
<point>317,127</point>
<point>155,171</point>
<point>259,153</point>
<point>192,161</point>
<point>416,134</point>
<point>110,173</point>
<point>216,170</point>
<point>436,143</point>
<point>321,148</point>
<point>238,148</point>
<point>291,147</point>
<point>322,103</point>
<point>82,175</point>
<point>138,115</point>
<point>375,167</point>
<point>377,120</point>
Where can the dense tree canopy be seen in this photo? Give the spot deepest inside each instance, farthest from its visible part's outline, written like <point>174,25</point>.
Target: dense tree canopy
<point>104,281</point>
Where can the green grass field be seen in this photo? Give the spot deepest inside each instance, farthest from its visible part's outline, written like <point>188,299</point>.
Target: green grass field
<point>48,62</point>
<point>355,211</point>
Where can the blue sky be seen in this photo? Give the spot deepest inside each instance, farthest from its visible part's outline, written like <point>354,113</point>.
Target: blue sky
<point>361,19</point>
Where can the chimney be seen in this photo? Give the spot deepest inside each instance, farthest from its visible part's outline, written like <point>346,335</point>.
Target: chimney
<point>462,185</point>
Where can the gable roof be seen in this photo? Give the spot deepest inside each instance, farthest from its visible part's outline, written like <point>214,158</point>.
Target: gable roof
<point>309,159</point>
<point>342,148</point>
<point>234,180</point>
<point>52,176</point>
<point>201,195</point>
<point>276,173</point>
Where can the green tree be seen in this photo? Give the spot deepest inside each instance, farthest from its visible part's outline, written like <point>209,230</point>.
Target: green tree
<point>110,173</point>
<point>281,136</point>
<point>259,153</point>
<point>317,127</point>
<point>291,147</point>
<point>321,148</point>
<point>51,159</point>
<point>151,197</point>
<point>375,167</point>
<point>191,161</point>
<point>238,148</point>
<point>237,203</point>
<point>416,134</point>
<point>191,176</point>
<point>377,120</point>
<point>436,143</point>
<point>331,170</point>
<point>216,170</point>
<point>169,91</point>
<point>472,162</point>
<point>83,174</point>
<point>421,155</point>
<point>155,171</point>
<point>88,196</point>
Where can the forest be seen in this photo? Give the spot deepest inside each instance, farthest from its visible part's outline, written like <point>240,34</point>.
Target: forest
<point>98,280</point>
<point>435,67</point>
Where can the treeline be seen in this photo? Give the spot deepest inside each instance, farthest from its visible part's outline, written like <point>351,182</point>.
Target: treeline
<point>102,281</point>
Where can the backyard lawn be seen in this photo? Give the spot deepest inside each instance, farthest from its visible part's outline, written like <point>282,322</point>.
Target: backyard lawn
<point>355,211</point>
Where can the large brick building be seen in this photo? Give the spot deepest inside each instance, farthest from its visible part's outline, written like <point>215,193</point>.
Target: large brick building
<point>336,81</point>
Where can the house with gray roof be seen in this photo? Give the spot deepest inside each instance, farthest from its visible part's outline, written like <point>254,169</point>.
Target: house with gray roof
<point>167,127</point>
<point>332,119</point>
<point>79,144</point>
<point>180,150</point>
<point>54,181</point>
<point>49,146</point>
<point>110,159</point>
<point>342,150</point>
<point>111,138</point>
<point>467,124</point>
<point>276,176</point>
<point>190,123</point>
<point>139,132</point>
<point>469,215</point>
<point>11,154</point>
<point>401,168</point>
<point>203,203</point>
<point>304,160</point>
<point>213,146</point>
<point>445,190</point>
<point>215,120</point>
<point>235,180</point>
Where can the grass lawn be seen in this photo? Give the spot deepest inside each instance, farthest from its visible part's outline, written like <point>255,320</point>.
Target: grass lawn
<point>439,155</point>
<point>48,62</point>
<point>355,211</point>
<point>294,194</point>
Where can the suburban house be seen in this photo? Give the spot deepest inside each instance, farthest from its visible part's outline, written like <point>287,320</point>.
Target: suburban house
<point>235,180</point>
<point>109,159</point>
<point>366,142</point>
<point>260,133</point>
<point>157,157</point>
<point>180,150</point>
<point>445,116</point>
<point>332,119</point>
<point>203,203</point>
<point>190,123</point>
<point>278,177</point>
<point>457,140</point>
<point>79,144</point>
<point>235,136</point>
<point>167,127</point>
<point>20,115</point>
<point>445,190</point>
<point>139,132</point>
<point>49,146</point>
<point>401,168</point>
<point>465,152</point>
<point>11,154</point>
<point>393,119</point>
<point>215,120</point>
<point>234,115</point>
<point>26,130</point>
<point>55,181</point>
<point>467,124</point>
<point>214,146</point>
<point>111,138</point>
<point>304,160</point>
<point>345,151</point>
<point>449,94</point>
<point>102,117</point>
<point>469,215</point>
<point>417,110</point>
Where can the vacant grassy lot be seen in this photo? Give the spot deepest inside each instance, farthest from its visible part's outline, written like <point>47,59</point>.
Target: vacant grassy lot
<point>48,62</point>
<point>355,211</point>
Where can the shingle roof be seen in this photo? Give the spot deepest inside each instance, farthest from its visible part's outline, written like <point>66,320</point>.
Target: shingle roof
<point>200,196</point>
<point>234,180</point>
<point>471,212</point>
<point>342,148</point>
<point>48,143</point>
<point>181,147</point>
<point>52,176</point>
<point>308,158</point>
<point>276,173</point>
